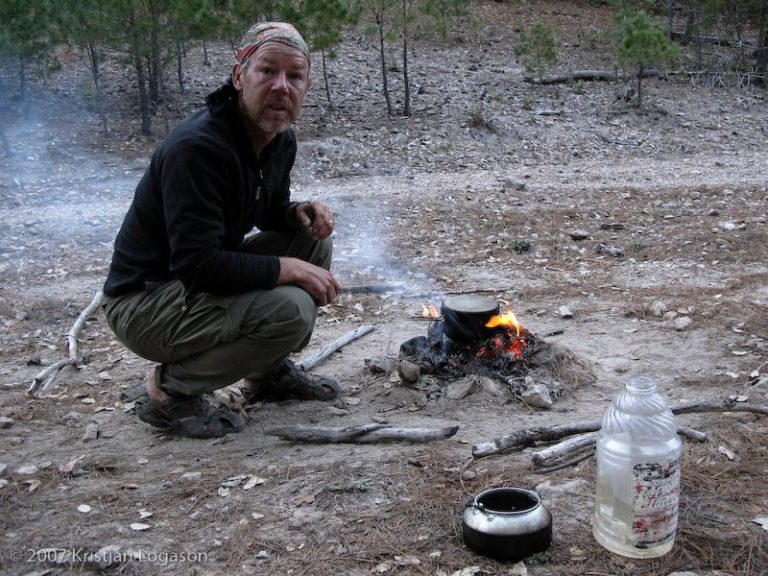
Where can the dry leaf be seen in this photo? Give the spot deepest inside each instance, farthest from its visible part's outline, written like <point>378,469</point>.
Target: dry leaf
<point>726,452</point>
<point>303,499</point>
<point>254,481</point>
<point>762,521</point>
<point>139,526</point>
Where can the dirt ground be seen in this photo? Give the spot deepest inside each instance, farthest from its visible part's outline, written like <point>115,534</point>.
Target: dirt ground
<point>648,225</point>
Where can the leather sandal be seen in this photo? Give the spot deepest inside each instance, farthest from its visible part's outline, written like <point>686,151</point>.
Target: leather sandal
<point>193,417</point>
<point>291,383</point>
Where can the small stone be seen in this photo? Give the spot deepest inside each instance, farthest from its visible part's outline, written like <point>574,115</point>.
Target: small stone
<point>380,365</point>
<point>469,475</point>
<point>610,250</point>
<point>192,476</point>
<point>461,388</point>
<point>3,469</point>
<point>6,422</point>
<point>565,312</point>
<point>84,508</point>
<point>578,235</point>
<point>91,432</point>
<point>408,371</point>
<point>27,469</point>
<point>262,555</point>
<point>657,308</point>
<point>681,323</point>
<point>538,396</point>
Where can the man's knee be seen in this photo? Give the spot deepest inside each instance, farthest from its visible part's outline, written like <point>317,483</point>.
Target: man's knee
<point>287,313</point>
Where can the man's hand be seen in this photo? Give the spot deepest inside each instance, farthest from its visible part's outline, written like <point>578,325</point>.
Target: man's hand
<point>318,281</point>
<point>317,216</point>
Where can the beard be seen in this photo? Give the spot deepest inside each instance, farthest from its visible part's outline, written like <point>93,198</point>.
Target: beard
<point>269,126</point>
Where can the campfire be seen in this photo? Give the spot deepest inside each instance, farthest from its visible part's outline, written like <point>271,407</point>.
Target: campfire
<point>503,353</point>
<point>471,336</point>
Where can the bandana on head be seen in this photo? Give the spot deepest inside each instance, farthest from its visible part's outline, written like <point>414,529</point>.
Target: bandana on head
<point>264,32</point>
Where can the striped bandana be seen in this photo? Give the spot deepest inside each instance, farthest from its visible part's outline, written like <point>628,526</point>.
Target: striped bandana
<point>264,32</point>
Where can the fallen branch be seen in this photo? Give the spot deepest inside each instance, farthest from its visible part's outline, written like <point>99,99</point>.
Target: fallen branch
<point>362,433</point>
<point>578,443</point>
<point>45,379</point>
<point>531,436</point>
<point>588,75</point>
<point>313,359</point>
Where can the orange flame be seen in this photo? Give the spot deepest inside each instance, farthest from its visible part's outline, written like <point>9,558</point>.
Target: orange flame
<point>429,311</point>
<point>507,320</point>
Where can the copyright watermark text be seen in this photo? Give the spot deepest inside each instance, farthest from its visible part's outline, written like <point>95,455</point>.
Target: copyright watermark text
<point>104,557</point>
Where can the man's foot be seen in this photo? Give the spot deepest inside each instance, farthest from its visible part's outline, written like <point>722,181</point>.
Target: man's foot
<point>290,383</point>
<point>191,416</point>
<point>184,415</point>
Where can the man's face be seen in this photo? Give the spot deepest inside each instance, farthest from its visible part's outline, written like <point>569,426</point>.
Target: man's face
<point>272,86</point>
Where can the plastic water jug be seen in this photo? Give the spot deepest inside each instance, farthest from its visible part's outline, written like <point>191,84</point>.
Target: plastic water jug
<point>638,473</point>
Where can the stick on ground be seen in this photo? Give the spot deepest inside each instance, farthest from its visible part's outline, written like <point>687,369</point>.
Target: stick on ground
<point>313,359</point>
<point>45,379</point>
<point>531,436</point>
<point>362,433</point>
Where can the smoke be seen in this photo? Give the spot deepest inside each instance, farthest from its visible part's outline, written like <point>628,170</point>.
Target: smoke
<point>367,250</point>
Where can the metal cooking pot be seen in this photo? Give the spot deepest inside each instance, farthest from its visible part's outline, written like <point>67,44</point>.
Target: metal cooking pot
<point>507,523</point>
<point>465,317</point>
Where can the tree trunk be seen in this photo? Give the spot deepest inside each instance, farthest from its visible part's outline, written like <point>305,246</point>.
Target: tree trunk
<point>385,83</point>
<point>407,88</point>
<point>154,66</point>
<point>325,79</point>
<point>670,17</point>
<point>23,92</point>
<point>640,70</point>
<point>93,57</point>
<point>693,31</point>
<point>206,61</point>
<point>180,65</point>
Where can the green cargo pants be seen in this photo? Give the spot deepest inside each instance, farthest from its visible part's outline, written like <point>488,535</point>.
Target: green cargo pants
<point>203,341</point>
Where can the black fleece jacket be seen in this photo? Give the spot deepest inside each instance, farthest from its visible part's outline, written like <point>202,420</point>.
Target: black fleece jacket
<point>203,191</point>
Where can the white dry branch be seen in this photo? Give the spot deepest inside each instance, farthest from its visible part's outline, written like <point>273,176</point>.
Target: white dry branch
<point>532,436</point>
<point>313,359</point>
<point>45,379</point>
<point>556,452</point>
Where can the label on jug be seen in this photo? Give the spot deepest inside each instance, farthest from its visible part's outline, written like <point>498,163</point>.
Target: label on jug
<point>656,491</point>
